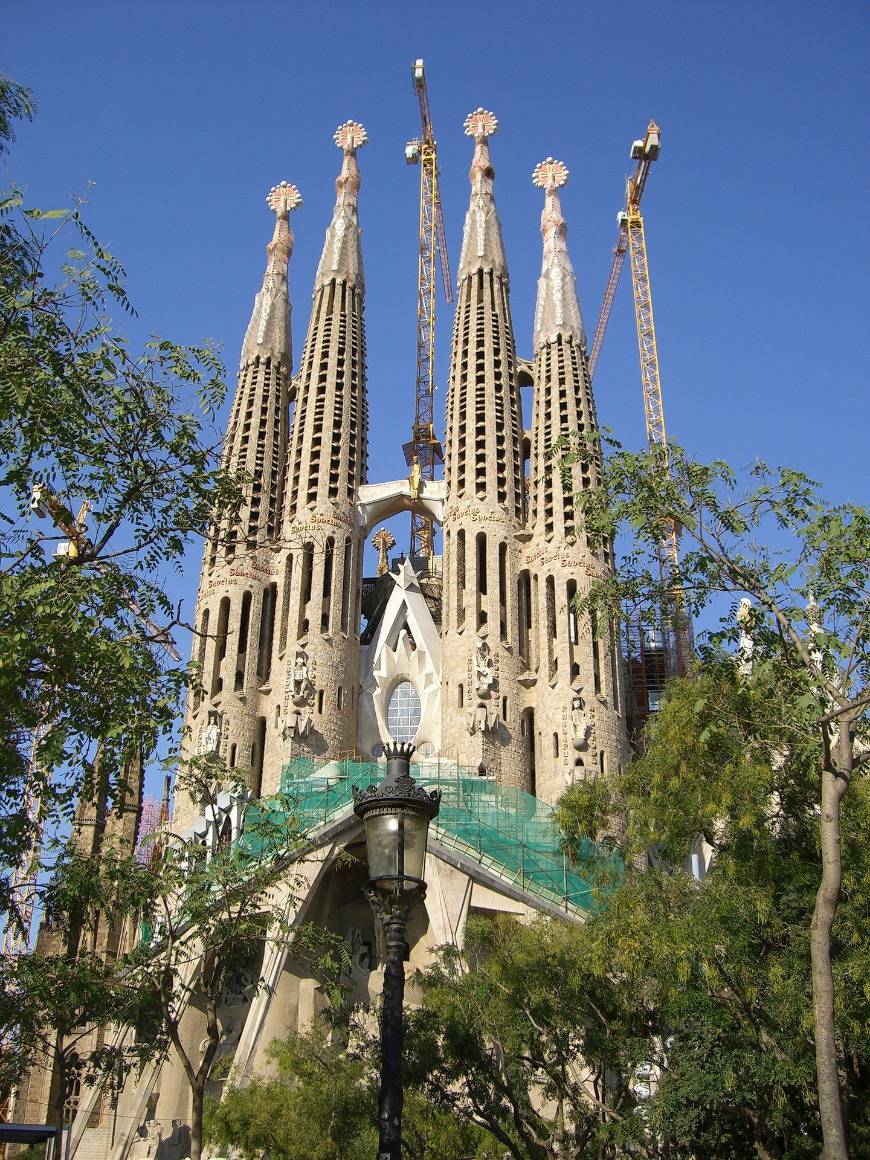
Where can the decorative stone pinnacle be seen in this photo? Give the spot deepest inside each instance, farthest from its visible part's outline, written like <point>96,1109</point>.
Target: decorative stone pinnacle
<point>481,124</point>
<point>283,198</point>
<point>550,174</point>
<point>350,136</point>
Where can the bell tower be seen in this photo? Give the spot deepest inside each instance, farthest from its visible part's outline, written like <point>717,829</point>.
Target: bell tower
<point>574,661</point>
<point>486,503</point>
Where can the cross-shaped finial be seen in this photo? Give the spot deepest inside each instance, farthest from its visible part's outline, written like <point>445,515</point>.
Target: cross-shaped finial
<point>550,174</point>
<point>481,123</point>
<point>282,198</point>
<point>350,136</point>
<point>383,540</point>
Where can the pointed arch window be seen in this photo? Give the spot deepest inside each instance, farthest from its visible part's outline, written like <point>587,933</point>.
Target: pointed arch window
<point>404,712</point>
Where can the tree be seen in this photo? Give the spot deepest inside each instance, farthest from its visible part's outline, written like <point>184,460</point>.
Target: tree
<point>321,1104</point>
<point>811,588</point>
<point>525,1033</point>
<point>16,104</point>
<point>211,912</point>
<point>109,468</point>
<point>732,759</point>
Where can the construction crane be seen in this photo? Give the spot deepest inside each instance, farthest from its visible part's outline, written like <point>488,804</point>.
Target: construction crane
<point>423,452</point>
<point>632,242</point>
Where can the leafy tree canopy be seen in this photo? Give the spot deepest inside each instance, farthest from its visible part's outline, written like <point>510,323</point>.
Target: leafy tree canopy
<point>321,1104</point>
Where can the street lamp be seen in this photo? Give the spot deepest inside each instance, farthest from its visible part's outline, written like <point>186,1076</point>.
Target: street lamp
<point>396,814</point>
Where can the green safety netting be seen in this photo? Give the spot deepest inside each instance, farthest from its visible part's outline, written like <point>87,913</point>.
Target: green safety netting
<point>507,831</point>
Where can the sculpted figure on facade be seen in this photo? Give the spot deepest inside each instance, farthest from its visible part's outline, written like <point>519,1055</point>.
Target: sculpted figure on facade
<point>581,726</point>
<point>297,720</point>
<point>414,478</point>
<point>746,645</point>
<point>210,735</point>
<point>483,718</point>
<point>484,669</point>
<point>148,1139</point>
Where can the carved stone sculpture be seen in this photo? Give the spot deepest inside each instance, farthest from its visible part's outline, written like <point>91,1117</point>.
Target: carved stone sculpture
<point>483,718</point>
<point>210,736</point>
<point>581,726</point>
<point>484,670</point>
<point>298,719</point>
<point>148,1139</point>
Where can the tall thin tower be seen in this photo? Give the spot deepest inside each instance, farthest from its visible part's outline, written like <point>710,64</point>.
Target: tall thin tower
<point>573,723</point>
<point>486,503</point>
<point>235,610</point>
<point>318,636</point>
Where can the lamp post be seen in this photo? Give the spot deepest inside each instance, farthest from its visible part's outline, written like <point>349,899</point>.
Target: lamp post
<point>396,814</point>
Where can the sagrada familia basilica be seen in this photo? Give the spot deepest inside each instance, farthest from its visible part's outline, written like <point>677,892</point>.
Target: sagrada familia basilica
<point>475,655</point>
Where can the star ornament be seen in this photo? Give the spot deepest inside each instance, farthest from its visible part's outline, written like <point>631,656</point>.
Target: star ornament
<point>481,123</point>
<point>550,174</point>
<point>349,136</point>
<point>282,198</point>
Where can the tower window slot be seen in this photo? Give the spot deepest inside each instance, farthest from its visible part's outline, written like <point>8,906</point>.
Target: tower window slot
<point>220,645</point>
<point>326,593</point>
<point>267,632</point>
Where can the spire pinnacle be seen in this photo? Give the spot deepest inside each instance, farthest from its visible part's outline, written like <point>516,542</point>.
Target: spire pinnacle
<point>557,310</point>
<point>482,246</point>
<point>342,255</point>
<point>269,329</point>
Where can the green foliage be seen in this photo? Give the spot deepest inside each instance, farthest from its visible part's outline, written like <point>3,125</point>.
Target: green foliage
<point>804,564</point>
<point>111,457</point>
<point>86,663</point>
<point>725,963</point>
<point>16,104</point>
<point>527,1033</point>
<point>773,537</point>
<point>321,1104</point>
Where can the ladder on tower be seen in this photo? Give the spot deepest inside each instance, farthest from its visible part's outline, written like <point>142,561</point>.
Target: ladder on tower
<point>424,449</point>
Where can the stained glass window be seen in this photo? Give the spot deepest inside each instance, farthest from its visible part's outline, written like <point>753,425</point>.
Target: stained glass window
<point>403,712</point>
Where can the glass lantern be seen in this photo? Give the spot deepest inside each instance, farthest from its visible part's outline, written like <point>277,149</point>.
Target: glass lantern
<point>396,814</point>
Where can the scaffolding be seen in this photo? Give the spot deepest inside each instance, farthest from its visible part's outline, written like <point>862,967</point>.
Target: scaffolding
<point>650,660</point>
<point>507,832</point>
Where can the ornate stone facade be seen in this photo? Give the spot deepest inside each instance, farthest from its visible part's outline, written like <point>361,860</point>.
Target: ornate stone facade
<point>478,657</point>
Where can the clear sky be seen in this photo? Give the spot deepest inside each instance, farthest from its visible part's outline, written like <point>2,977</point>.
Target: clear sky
<point>185,114</point>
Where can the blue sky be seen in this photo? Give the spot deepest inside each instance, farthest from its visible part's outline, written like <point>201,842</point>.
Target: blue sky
<point>184,115</point>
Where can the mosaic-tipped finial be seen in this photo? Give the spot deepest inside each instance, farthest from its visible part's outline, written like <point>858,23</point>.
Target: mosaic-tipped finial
<point>350,136</point>
<point>557,311</point>
<point>283,197</point>
<point>550,174</point>
<point>481,124</point>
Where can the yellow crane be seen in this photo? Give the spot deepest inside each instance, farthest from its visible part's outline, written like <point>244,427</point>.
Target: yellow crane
<point>632,242</point>
<point>423,452</point>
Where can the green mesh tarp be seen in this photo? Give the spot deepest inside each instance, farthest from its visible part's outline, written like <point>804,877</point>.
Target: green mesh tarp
<point>507,831</point>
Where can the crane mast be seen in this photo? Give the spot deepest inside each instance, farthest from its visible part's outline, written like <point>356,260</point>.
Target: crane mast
<point>424,448</point>
<point>631,243</point>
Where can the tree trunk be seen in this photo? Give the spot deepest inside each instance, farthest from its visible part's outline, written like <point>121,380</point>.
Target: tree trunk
<point>835,780</point>
<point>196,1110</point>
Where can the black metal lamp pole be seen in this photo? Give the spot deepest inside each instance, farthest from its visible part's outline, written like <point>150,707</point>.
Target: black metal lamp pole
<point>396,813</point>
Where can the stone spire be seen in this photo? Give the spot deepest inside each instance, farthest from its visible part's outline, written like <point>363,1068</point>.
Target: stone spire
<point>237,599</point>
<point>577,696</point>
<point>342,254</point>
<point>557,310</point>
<point>318,627</point>
<point>327,457</point>
<point>482,246</point>
<point>268,331</point>
<point>485,505</point>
